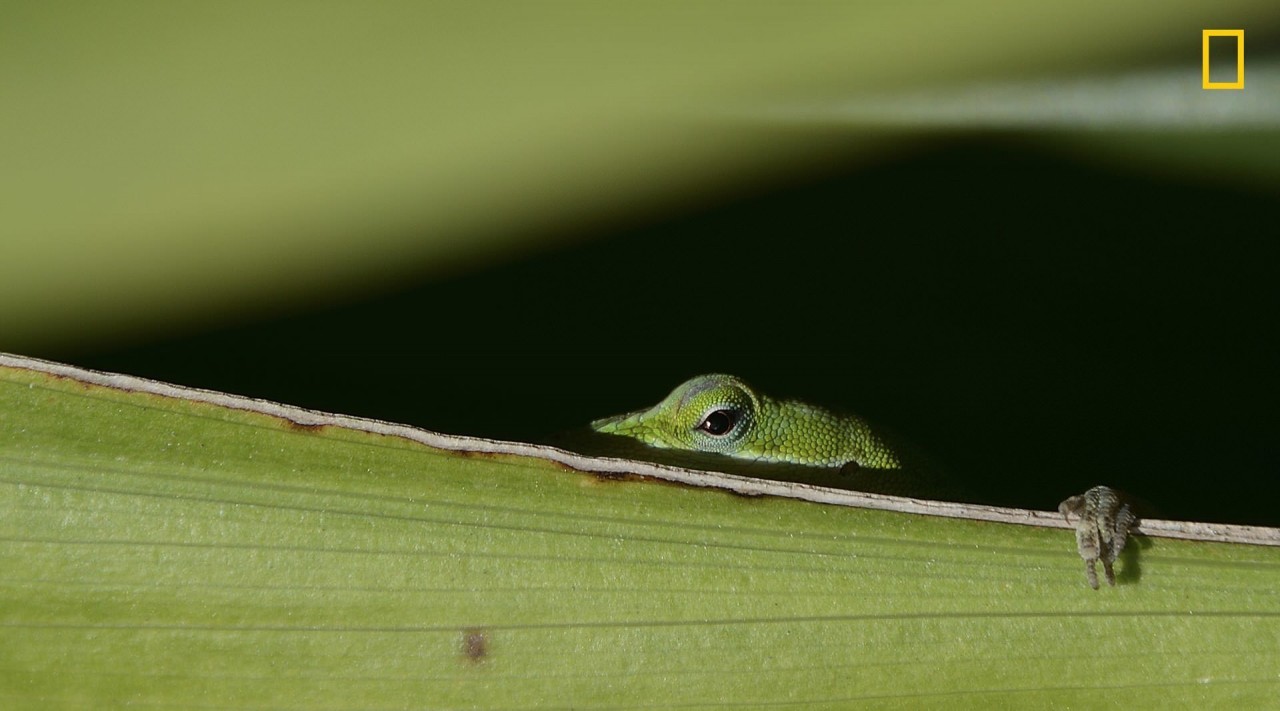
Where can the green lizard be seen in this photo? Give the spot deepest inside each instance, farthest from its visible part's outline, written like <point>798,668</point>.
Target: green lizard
<point>721,414</point>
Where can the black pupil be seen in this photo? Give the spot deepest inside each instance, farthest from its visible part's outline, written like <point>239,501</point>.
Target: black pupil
<point>718,422</point>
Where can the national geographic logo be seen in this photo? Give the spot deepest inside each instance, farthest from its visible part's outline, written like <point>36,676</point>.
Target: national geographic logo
<point>1204,58</point>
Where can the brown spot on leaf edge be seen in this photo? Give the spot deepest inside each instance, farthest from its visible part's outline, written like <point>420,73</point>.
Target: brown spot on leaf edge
<point>68,379</point>
<point>302,426</point>
<point>628,477</point>
<point>618,477</point>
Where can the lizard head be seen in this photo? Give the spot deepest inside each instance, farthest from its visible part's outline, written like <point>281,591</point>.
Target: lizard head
<point>709,413</point>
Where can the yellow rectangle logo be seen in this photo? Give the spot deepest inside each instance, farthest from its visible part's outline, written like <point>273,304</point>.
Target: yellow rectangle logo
<point>1204,58</point>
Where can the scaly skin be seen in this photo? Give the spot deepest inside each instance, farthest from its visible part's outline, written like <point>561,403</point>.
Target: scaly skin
<point>720,413</point>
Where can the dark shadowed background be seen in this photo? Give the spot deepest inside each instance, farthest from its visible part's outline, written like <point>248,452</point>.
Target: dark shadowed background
<point>1037,324</point>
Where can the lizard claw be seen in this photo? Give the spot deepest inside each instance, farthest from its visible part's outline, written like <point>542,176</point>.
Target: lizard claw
<point>1102,530</point>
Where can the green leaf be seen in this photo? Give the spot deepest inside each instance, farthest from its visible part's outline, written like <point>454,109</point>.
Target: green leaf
<point>170,548</point>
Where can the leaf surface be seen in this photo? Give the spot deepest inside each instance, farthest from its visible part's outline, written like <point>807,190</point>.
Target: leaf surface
<point>178,549</point>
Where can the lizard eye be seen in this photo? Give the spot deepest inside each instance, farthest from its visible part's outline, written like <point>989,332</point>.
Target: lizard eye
<point>718,422</point>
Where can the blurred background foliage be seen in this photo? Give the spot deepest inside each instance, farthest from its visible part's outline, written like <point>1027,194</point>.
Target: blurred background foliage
<point>505,219</point>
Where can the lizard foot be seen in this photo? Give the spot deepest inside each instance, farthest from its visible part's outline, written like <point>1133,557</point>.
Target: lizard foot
<point>1102,529</point>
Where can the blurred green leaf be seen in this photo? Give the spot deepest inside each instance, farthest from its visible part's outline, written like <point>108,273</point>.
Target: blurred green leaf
<point>163,162</point>
<point>163,550</point>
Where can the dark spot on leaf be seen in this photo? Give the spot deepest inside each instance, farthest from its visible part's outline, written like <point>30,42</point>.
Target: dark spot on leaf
<point>475,645</point>
<point>621,477</point>
<point>302,426</point>
<point>628,477</point>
